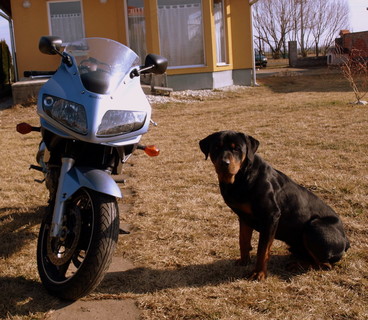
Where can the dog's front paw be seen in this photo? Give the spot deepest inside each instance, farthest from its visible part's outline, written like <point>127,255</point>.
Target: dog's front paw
<point>258,276</point>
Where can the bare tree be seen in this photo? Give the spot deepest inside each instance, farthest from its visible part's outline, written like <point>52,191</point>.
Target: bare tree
<point>272,23</point>
<point>312,23</point>
<point>304,10</point>
<point>329,18</point>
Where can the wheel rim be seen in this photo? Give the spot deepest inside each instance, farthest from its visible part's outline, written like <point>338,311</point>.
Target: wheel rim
<point>62,257</point>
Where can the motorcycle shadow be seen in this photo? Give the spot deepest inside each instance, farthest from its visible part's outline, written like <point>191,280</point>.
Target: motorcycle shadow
<point>146,280</point>
<point>21,295</point>
<point>17,228</point>
<point>24,297</point>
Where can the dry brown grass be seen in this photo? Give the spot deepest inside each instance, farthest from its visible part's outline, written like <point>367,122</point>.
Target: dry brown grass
<point>184,238</point>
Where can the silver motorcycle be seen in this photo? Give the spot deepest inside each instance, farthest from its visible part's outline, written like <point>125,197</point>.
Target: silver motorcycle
<point>93,113</point>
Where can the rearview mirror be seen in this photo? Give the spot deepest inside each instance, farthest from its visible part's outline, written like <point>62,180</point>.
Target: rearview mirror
<point>155,64</point>
<point>50,45</point>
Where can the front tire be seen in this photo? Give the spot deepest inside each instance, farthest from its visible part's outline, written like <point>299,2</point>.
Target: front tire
<point>72,265</point>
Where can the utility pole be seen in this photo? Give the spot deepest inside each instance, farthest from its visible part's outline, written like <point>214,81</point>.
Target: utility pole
<point>252,2</point>
<point>302,49</point>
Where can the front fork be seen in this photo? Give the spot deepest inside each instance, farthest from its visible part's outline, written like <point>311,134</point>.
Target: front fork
<point>94,179</point>
<point>70,180</point>
<point>57,216</point>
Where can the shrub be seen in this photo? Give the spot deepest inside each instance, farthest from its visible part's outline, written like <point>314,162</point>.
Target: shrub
<point>6,67</point>
<point>355,69</point>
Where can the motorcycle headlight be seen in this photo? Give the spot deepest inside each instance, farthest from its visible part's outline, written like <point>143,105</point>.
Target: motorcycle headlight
<point>70,114</point>
<point>116,122</point>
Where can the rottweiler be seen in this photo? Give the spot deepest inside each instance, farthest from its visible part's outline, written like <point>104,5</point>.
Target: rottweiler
<point>268,201</point>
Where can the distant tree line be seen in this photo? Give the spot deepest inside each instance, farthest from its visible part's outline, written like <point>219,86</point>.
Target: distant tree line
<point>314,24</point>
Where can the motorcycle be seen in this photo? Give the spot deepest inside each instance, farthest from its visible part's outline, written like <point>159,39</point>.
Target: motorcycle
<point>93,113</point>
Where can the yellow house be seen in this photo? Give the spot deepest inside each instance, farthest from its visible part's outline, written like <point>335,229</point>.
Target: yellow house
<point>208,43</point>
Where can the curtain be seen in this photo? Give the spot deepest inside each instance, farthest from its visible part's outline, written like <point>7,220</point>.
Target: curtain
<point>181,34</point>
<point>220,32</point>
<point>69,27</point>
<point>137,31</point>
<point>66,20</point>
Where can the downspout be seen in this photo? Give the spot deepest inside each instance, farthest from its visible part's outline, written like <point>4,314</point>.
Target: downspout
<point>12,44</point>
<point>255,84</point>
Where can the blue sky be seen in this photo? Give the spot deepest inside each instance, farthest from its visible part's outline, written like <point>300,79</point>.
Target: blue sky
<point>4,30</point>
<point>358,19</point>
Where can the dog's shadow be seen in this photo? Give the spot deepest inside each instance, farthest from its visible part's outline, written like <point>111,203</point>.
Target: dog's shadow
<point>147,280</point>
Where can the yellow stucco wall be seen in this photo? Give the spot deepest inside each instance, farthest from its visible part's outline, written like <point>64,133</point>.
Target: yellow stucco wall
<point>100,20</point>
<point>152,28</point>
<point>108,20</point>
<point>104,20</point>
<point>241,34</point>
<point>29,25</point>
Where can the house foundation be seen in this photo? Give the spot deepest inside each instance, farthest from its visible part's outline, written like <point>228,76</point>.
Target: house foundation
<point>209,80</point>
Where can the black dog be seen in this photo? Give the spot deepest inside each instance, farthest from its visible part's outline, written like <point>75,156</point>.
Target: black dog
<point>268,201</point>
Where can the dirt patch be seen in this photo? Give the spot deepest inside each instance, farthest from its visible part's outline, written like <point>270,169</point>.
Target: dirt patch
<point>105,309</point>
<point>101,309</point>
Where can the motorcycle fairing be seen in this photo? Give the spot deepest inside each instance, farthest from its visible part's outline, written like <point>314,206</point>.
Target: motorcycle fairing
<point>126,94</point>
<point>94,179</point>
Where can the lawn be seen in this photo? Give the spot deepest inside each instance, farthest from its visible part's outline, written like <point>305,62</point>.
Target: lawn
<point>184,239</point>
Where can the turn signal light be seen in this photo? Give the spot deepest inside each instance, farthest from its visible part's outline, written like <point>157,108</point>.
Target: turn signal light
<point>152,151</point>
<point>24,128</point>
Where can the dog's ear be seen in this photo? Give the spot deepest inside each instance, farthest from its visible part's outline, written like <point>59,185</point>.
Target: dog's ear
<point>252,146</point>
<point>205,144</point>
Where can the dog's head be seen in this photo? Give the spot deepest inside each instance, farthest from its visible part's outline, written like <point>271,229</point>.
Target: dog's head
<point>228,151</point>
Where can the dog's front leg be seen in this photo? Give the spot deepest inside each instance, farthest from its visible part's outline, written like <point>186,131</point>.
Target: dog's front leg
<point>266,237</point>
<point>245,237</point>
<point>263,255</point>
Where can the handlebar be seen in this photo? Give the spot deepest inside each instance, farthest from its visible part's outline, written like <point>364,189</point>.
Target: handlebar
<point>38,74</point>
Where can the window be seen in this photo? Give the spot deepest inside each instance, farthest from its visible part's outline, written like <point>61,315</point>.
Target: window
<point>181,32</point>
<point>137,27</point>
<point>218,10</point>
<point>66,20</point>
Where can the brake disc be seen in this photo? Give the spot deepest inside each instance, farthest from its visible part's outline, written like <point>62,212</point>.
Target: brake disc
<point>60,250</point>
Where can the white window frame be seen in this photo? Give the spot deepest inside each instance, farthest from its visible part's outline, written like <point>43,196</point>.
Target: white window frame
<point>49,17</point>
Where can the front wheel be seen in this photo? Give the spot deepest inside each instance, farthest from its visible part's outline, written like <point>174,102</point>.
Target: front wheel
<point>72,265</point>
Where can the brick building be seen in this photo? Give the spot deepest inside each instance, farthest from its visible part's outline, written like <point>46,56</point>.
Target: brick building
<point>346,43</point>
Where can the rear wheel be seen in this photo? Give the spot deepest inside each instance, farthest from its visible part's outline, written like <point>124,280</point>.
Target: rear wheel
<point>72,265</point>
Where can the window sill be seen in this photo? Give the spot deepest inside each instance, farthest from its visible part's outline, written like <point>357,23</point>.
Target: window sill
<point>186,67</point>
<point>222,64</point>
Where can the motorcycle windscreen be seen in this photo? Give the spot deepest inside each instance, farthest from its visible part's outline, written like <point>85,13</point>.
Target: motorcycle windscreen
<point>102,63</point>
